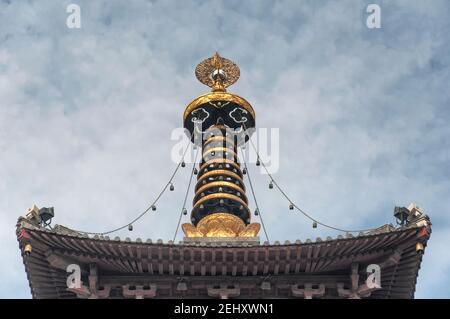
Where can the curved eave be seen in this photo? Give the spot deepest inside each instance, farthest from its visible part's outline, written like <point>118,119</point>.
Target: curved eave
<point>47,276</point>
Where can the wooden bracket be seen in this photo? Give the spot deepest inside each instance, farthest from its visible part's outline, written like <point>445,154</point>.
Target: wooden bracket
<point>308,292</point>
<point>224,290</point>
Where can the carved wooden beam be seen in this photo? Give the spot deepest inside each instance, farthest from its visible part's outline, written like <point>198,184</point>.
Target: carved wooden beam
<point>82,292</point>
<point>93,291</point>
<point>356,291</point>
<point>93,277</point>
<point>139,292</point>
<point>224,290</point>
<point>393,259</point>
<point>308,292</point>
<point>60,262</point>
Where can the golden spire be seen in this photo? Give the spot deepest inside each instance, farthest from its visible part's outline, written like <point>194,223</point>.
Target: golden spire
<point>220,205</point>
<point>218,73</point>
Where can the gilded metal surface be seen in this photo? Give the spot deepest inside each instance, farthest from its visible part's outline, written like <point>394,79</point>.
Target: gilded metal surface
<point>191,231</point>
<point>251,230</point>
<point>219,139</point>
<point>221,225</point>
<point>218,96</point>
<point>220,150</point>
<point>219,161</point>
<point>219,73</point>
<point>219,196</point>
<point>221,184</point>
<point>205,69</point>
<point>221,172</point>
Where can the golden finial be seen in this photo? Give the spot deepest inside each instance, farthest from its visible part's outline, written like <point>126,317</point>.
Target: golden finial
<point>216,61</point>
<point>216,72</point>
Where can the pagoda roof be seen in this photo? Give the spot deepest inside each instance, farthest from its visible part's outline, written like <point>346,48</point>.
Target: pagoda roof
<point>163,263</point>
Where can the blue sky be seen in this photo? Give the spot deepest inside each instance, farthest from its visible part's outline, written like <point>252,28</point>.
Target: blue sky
<point>86,114</point>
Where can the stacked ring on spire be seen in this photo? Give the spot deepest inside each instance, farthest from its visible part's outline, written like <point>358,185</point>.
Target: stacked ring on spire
<point>220,187</point>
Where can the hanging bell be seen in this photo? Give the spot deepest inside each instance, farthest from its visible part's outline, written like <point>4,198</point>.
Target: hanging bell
<point>221,202</point>
<point>171,187</point>
<point>291,206</point>
<point>153,207</point>
<point>130,227</point>
<point>258,162</point>
<point>27,249</point>
<point>183,164</point>
<point>244,171</point>
<point>195,171</point>
<point>270,185</point>
<point>202,206</point>
<point>314,224</point>
<point>184,211</point>
<point>419,247</point>
<point>256,212</point>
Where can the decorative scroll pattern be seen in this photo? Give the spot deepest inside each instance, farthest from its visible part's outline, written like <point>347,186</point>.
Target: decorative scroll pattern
<point>199,115</point>
<point>238,115</point>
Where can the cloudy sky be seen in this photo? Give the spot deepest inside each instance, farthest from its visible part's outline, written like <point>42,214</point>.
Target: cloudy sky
<point>86,114</point>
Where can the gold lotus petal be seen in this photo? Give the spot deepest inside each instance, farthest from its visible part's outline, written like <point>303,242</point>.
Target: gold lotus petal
<point>221,225</point>
<point>191,231</point>
<point>251,230</point>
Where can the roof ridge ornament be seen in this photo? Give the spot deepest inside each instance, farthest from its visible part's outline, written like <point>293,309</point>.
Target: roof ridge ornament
<point>217,72</point>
